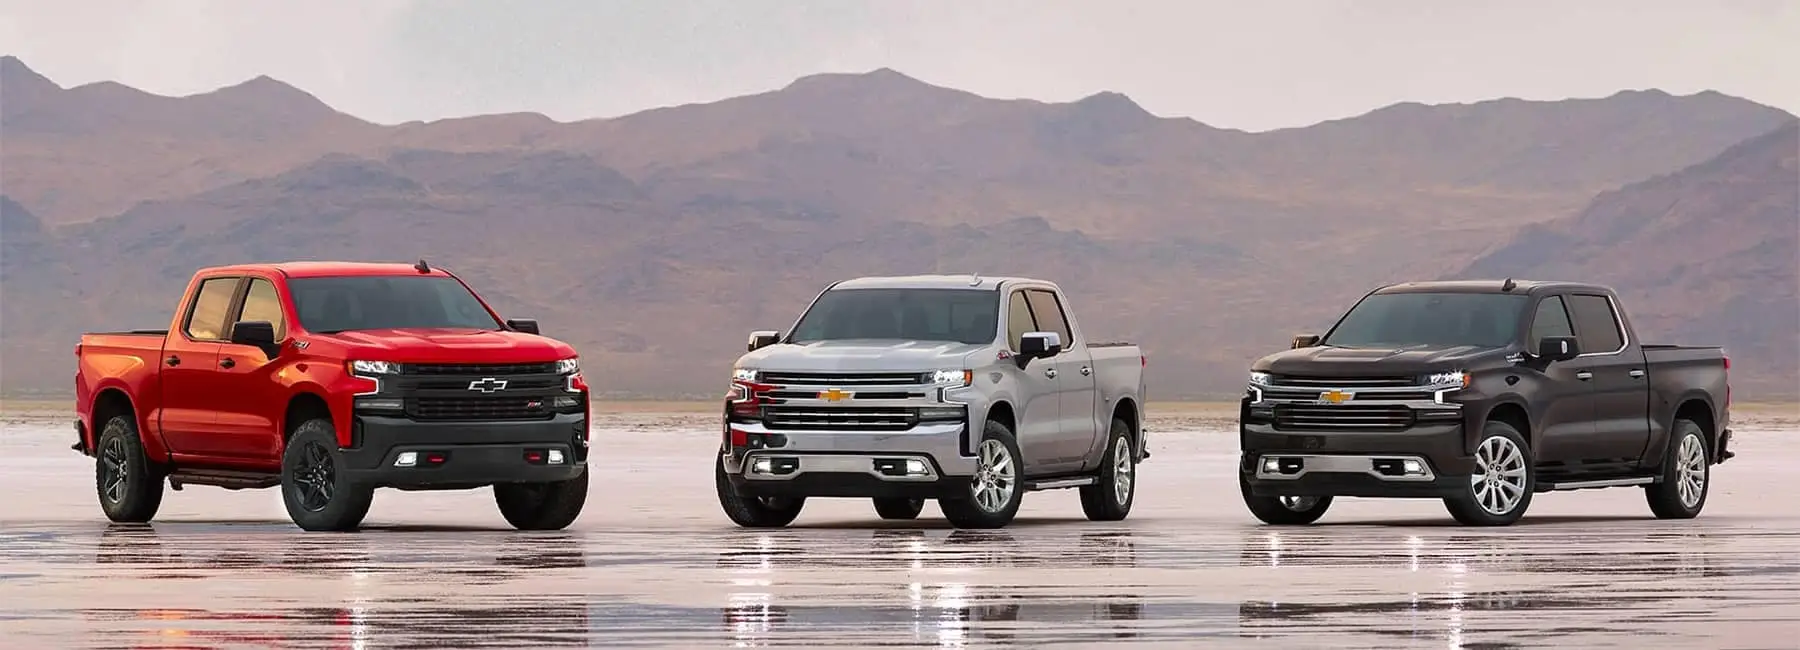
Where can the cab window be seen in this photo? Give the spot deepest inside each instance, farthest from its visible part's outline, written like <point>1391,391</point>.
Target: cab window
<point>206,317</point>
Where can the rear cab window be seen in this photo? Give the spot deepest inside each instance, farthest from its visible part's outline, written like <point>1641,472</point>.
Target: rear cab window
<point>1596,324</point>
<point>205,319</point>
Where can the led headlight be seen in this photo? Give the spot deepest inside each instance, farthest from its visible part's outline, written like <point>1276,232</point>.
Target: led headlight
<point>374,368</point>
<point>743,374</point>
<point>1456,379</point>
<point>952,378</point>
<point>1260,379</point>
<point>568,366</point>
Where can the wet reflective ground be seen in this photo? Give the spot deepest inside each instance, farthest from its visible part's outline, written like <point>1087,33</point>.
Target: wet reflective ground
<point>653,563</point>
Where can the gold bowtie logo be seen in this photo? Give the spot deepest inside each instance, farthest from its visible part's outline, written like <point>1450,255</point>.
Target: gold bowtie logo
<point>1335,396</point>
<point>834,395</point>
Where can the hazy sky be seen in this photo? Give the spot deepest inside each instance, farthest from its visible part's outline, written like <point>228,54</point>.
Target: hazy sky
<point>1232,63</point>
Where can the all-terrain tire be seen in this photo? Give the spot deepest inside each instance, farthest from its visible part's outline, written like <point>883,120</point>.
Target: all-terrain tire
<point>1283,511</point>
<point>542,506</point>
<point>899,509</point>
<point>999,473</point>
<point>1505,477</point>
<point>753,512</point>
<point>1686,475</point>
<point>317,492</point>
<point>1111,495</point>
<point>129,486</point>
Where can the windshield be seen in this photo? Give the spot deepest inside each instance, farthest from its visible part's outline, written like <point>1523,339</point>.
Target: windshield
<point>340,304</point>
<point>961,315</point>
<point>1488,320</point>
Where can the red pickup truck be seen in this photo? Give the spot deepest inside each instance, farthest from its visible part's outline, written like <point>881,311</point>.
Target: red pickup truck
<point>329,380</point>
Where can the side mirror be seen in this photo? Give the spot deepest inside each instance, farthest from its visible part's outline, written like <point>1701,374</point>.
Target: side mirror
<point>1036,345</point>
<point>526,325</point>
<point>1305,340</point>
<point>1558,348</point>
<point>762,339</point>
<point>257,333</point>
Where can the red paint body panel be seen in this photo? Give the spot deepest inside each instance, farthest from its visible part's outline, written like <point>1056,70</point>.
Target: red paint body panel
<point>225,405</point>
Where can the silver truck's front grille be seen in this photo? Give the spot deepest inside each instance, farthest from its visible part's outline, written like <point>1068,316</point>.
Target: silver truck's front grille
<point>802,418</point>
<point>1361,417</point>
<point>844,379</point>
<point>1286,394</point>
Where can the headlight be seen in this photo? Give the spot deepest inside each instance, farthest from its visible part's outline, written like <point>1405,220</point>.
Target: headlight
<point>568,366</point>
<point>952,377</point>
<point>743,374</point>
<point>1260,379</point>
<point>374,368</point>
<point>1457,379</point>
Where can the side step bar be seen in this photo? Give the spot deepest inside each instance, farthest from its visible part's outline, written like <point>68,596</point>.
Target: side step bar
<point>1058,483</point>
<point>1601,483</point>
<point>225,478</point>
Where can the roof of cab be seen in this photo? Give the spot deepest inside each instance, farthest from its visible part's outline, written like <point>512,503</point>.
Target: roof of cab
<point>1490,286</point>
<point>325,269</point>
<point>961,281</point>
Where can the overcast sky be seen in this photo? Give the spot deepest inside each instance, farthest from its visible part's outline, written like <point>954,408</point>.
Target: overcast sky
<point>1234,63</point>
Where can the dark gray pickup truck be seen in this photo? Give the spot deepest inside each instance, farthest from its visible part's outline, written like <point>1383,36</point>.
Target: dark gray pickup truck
<point>1481,393</point>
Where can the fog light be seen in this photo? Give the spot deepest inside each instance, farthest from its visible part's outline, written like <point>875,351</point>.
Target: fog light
<point>556,457</point>
<point>562,402</point>
<point>1412,467</point>
<point>407,459</point>
<point>760,466</point>
<point>915,467</point>
<point>1271,465</point>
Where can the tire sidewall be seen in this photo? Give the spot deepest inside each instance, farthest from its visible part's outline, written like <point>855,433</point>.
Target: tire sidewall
<point>1685,429</point>
<point>964,512</point>
<point>1471,506</point>
<point>1121,435</point>
<point>142,488</point>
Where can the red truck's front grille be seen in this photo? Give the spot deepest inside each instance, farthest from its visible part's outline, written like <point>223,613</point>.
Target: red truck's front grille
<point>478,408</point>
<point>480,369</point>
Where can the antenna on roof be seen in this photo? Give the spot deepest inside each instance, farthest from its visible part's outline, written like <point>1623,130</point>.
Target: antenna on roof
<point>1508,285</point>
<point>974,279</point>
<point>422,267</point>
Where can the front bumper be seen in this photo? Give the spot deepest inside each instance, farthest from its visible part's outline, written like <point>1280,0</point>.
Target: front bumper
<point>1356,463</point>
<point>467,454</point>
<point>925,461</point>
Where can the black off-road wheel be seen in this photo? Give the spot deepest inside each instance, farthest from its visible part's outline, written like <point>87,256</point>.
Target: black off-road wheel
<point>318,495</point>
<point>1502,483</point>
<point>1686,475</point>
<point>130,487</point>
<point>753,512</point>
<point>1283,511</point>
<point>1110,497</point>
<point>542,506</point>
<point>994,492</point>
<point>899,509</point>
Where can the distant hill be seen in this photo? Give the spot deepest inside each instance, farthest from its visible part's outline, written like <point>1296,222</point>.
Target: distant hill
<point>656,241</point>
<point>1706,255</point>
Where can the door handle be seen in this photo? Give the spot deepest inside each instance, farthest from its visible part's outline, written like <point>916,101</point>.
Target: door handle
<point>1086,370</point>
<point>226,362</point>
<point>173,360</point>
<point>1639,374</point>
<point>1584,375</point>
<point>1050,372</point>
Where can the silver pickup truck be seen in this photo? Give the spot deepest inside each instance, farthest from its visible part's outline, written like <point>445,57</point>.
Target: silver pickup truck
<point>964,389</point>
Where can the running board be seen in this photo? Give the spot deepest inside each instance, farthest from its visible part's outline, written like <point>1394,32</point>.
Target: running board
<point>1602,483</point>
<point>1059,483</point>
<point>225,478</point>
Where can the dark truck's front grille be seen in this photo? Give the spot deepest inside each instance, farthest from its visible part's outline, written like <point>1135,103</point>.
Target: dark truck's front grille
<point>800,418</point>
<point>1363,417</point>
<point>1351,383</point>
<point>478,408</point>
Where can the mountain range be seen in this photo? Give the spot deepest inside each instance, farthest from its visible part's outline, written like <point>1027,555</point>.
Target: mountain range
<point>656,241</point>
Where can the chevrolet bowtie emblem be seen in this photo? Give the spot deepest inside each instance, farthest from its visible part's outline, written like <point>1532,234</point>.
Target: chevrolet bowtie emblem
<point>1335,396</point>
<point>487,385</point>
<point>834,395</point>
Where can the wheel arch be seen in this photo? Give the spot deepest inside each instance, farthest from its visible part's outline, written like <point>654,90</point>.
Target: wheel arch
<point>302,406</point>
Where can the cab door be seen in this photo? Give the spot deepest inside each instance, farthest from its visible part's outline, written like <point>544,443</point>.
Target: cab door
<point>192,390</point>
<point>1566,421</point>
<point>251,423</point>
<point>1076,393</point>
<point>1040,408</point>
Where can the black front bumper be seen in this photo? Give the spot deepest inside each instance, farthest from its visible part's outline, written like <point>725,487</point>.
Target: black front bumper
<point>466,454</point>
<point>1442,447</point>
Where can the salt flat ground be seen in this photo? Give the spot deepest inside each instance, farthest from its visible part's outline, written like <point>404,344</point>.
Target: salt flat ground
<point>653,562</point>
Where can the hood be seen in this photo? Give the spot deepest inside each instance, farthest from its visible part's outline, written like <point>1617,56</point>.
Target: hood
<point>860,356</point>
<point>1330,361</point>
<point>432,345</point>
